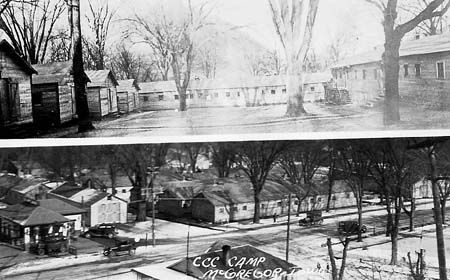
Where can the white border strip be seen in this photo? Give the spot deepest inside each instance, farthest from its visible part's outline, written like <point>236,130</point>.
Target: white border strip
<point>91,141</point>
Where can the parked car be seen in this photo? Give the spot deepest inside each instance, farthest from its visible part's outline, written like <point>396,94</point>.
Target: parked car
<point>101,230</point>
<point>121,247</point>
<point>312,218</point>
<point>351,227</point>
<point>50,245</point>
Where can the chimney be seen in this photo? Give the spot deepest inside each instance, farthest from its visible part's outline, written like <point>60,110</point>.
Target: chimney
<point>225,254</point>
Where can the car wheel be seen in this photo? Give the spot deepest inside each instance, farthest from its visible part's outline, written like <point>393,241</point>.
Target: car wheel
<point>106,253</point>
<point>63,248</point>
<point>110,235</point>
<point>41,251</point>
<point>87,235</point>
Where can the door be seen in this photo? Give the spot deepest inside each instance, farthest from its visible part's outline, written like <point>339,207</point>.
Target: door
<point>9,101</point>
<point>45,101</point>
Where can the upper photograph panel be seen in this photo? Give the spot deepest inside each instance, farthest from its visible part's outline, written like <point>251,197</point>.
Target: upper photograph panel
<point>116,68</point>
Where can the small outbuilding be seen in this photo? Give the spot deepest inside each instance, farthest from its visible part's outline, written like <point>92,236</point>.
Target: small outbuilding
<point>54,94</point>
<point>128,96</point>
<point>15,87</point>
<point>102,93</point>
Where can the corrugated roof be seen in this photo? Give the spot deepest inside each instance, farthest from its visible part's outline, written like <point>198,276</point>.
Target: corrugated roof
<point>127,85</point>
<point>6,47</point>
<point>60,206</point>
<point>220,83</point>
<point>31,215</point>
<point>426,45</point>
<point>246,251</point>
<point>99,78</point>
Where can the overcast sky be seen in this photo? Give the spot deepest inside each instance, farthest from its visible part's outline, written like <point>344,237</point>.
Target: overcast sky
<point>335,18</point>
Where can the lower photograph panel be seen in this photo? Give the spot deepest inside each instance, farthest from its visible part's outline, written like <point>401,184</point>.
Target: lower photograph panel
<point>316,209</point>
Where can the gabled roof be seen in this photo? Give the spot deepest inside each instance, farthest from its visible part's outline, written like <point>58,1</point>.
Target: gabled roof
<point>426,45</point>
<point>99,78</point>
<point>237,253</point>
<point>54,72</point>
<point>6,47</point>
<point>88,197</point>
<point>26,185</point>
<point>60,206</point>
<point>126,85</point>
<point>32,215</point>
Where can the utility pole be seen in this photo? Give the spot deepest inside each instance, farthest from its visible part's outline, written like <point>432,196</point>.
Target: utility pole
<point>152,194</point>
<point>288,227</point>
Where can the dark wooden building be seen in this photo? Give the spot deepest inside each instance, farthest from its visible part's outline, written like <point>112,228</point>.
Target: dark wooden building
<point>424,73</point>
<point>102,93</point>
<point>53,94</point>
<point>128,96</point>
<point>15,88</point>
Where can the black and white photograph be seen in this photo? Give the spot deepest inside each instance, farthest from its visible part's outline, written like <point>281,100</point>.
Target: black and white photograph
<point>147,68</point>
<point>322,209</point>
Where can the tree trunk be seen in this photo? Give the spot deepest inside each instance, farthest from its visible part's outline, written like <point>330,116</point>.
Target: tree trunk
<point>257,212</point>
<point>84,120</point>
<point>394,234</point>
<point>391,67</point>
<point>359,220</point>
<point>334,273</point>
<point>443,210</point>
<point>183,106</point>
<point>294,88</point>
<point>330,193</point>
<point>437,216</point>
<point>412,214</point>
<point>389,217</point>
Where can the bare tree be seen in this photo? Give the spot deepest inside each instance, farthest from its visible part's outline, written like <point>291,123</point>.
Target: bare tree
<point>30,26</point>
<point>335,273</point>
<point>300,163</point>
<point>99,22</point>
<point>223,158</point>
<point>393,34</point>
<point>256,159</point>
<point>193,150</point>
<point>60,46</point>
<point>294,22</point>
<point>175,41</point>
<point>128,65</point>
<point>428,27</point>
<point>355,166</point>
<point>206,60</point>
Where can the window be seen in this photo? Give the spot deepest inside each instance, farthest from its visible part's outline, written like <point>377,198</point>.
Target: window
<point>333,197</point>
<point>283,91</point>
<point>244,207</point>
<point>279,204</point>
<point>311,200</point>
<point>364,74</point>
<point>221,210</point>
<point>406,70</point>
<point>263,205</point>
<point>418,70</point>
<point>191,96</point>
<point>145,98</point>
<point>440,70</point>
<point>199,95</point>
<point>238,94</point>
<point>160,97</point>
<point>296,202</point>
<point>356,74</point>
<point>375,74</point>
<point>234,209</point>
<point>216,94</point>
<point>313,88</point>
<point>124,191</point>
<point>263,92</point>
<point>228,94</point>
<point>319,199</point>
<point>340,74</point>
<point>273,91</point>
<point>177,97</point>
<point>347,195</point>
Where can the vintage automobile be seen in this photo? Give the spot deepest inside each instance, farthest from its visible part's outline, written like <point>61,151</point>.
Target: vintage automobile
<point>101,230</point>
<point>350,228</point>
<point>122,247</point>
<point>50,245</point>
<point>312,218</point>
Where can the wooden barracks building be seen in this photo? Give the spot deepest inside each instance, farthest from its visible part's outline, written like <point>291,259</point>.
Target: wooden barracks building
<point>424,73</point>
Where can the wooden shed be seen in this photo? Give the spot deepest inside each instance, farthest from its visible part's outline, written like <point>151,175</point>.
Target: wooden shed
<point>102,93</point>
<point>128,96</point>
<point>53,94</point>
<point>15,87</point>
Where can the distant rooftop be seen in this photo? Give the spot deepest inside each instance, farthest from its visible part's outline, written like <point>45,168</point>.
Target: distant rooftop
<point>425,45</point>
<point>99,78</point>
<point>125,85</point>
<point>32,215</point>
